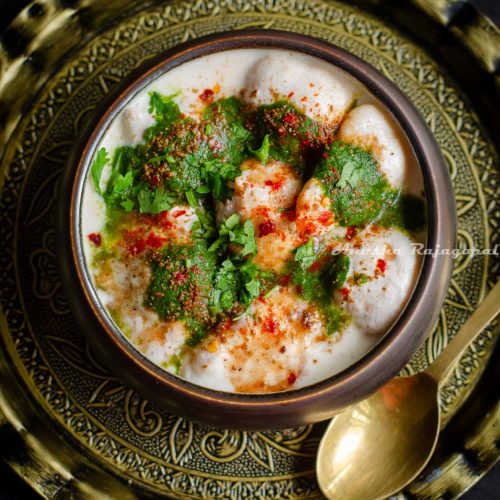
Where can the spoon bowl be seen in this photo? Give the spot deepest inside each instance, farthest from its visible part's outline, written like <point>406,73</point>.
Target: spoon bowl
<point>403,416</point>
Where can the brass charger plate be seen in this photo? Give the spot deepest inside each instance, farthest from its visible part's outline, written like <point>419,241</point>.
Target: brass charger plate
<point>71,427</point>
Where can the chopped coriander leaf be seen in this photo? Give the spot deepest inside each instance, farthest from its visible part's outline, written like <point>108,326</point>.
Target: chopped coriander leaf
<point>204,227</point>
<point>226,285</point>
<point>245,236</point>
<point>231,231</point>
<point>230,223</point>
<point>191,199</point>
<point>216,175</point>
<point>249,273</point>
<point>203,190</point>
<point>163,107</point>
<point>305,255</point>
<point>125,162</point>
<point>156,160</point>
<point>263,152</point>
<point>236,282</point>
<point>97,167</point>
<point>224,229</point>
<point>127,205</point>
<point>122,184</point>
<point>154,202</point>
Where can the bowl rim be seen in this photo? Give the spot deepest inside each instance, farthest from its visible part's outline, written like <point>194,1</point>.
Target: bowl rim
<point>321,399</point>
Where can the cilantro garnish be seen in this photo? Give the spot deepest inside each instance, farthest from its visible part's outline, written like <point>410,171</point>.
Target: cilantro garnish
<point>305,254</point>
<point>191,199</point>
<point>231,231</point>
<point>216,175</point>
<point>127,205</point>
<point>249,274</point>
<point>225,291</point>
<point>164,109</point>
<point>97,167</point>
<point>204,227</point>
<point>236,281</point>
<point>245,236</point>
<point>262,153</point>
<point>154,202</point>
<point>122,184</point>
<point>351,174</point>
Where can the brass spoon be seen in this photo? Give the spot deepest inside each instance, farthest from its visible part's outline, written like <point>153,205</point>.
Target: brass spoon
<point>376,447</point>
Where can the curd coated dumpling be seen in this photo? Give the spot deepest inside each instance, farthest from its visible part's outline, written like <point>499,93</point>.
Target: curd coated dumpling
<point>314,213</point>
<point>266,195</point>
<point>263,351</point>
<point>134,121</point>
<point>122,282</point>
<point>273,186</point>
<point>320,92</point>
<point>380,279</point>
<point>205,364</point>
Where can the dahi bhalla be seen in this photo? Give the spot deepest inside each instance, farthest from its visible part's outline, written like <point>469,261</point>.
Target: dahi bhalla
<point>249,221</point>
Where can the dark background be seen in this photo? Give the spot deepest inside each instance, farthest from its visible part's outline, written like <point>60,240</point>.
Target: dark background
<point>11,487</point>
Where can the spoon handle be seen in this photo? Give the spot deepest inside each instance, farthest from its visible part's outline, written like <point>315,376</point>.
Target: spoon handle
<point>470,330</point>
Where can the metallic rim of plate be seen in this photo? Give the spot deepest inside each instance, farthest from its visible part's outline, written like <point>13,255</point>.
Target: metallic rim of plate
<point>34,457</point>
